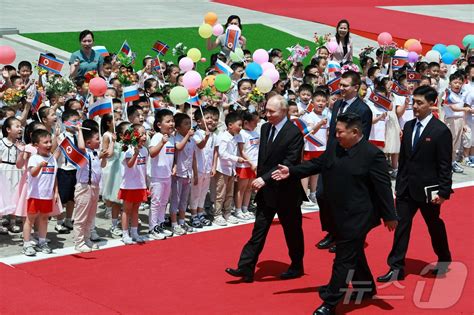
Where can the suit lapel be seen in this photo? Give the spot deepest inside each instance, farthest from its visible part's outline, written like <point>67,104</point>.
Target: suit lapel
<point>423,135</point>
<point>277,139</point>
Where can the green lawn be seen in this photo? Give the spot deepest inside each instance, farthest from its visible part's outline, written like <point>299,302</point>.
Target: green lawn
<point>141,41</point>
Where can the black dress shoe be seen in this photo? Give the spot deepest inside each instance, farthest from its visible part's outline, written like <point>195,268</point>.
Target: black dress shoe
<point>292,274</point>
<point>332,249</point>
<point>326,242</point>
<point>391,275</point>
<point>441,268</point>
<point>325,309</point>
<point>246,277</point>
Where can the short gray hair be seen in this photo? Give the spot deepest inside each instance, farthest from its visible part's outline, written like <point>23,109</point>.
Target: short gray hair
<point>281,101</point>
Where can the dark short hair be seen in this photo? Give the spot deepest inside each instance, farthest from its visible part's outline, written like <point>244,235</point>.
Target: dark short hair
<point>131,110</point>
<point>427,92</point>
<point>84,33</point>
<point>159,115</point>
<point>25,64</point>
<point>456,76</point>
<point>212,110</point>
<point>355,77</point>
<point>352,120</point>
<point>67,114</point>
<point>232,118</point>
<point>38,134</point>
<point>305,87</point>
<point>179,118</point>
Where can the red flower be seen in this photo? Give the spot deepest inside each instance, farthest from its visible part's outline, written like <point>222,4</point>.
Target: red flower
<point>136,134</point>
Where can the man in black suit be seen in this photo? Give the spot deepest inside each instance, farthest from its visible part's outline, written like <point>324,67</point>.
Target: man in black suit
<point>425,160</point>
<point>358,191</point>
<point>281,142</point>
<point>350,103</point>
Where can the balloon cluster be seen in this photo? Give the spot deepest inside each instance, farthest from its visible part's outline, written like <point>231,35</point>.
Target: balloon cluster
<point>210,26</point>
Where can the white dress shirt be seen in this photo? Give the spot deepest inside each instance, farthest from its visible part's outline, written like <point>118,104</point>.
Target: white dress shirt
<point>423,122</point>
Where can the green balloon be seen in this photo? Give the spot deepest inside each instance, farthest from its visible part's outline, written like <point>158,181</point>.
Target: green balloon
<point>468,40</point>
<point>222,82</point>
<point>179,95</point>
<point>454,50</point>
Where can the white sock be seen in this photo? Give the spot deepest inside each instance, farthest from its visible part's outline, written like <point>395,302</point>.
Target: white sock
<point>134,231</point>
<point>125,233</point>
<point>68,220</point>
<point>244,209</point>
<point>200,214</point>
<point>193,216</point>
<point>312,193</point>
<point>114,222</point>
<point>59,222</point>
<point>238,210</point>
<point>173,224</point>
<point>27,243</point>
<point>42,241</point>
<point>181,221</point>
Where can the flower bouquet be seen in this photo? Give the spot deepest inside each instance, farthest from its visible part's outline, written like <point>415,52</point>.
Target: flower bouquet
<point>125,77</point>
<point>366,51</point>
<point>90,75</point>
<point>180,50</point>
<point>284,66</point>
<point>41,71</point>
<point>125,59</point>
<point>255,96</point>
<point>208,93</point>
<point>59,86</point>
<point>130,137</point>
<point>349,66</point>
<point>12,97</point>
<point>298,53</point>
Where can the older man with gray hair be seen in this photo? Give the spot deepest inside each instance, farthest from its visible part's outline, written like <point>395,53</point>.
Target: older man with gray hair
<point>281,142</point>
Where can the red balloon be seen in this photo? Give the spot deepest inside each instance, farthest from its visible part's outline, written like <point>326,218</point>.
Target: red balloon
<point>97,86</point>
<point>7,55</point>
<point>192,92</point>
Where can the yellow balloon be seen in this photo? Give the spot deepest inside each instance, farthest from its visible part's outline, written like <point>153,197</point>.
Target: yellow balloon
<point>194,54</point>
<point>264,84</point>
<point>205,31</point>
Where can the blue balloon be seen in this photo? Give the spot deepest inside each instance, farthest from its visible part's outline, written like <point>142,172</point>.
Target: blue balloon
<point>440,48</point>
<point>253,70</point>
<point>448,58</point>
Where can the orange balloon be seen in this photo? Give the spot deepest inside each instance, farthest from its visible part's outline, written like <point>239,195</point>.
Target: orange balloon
<point>210,18</point>
<point>409,42</point>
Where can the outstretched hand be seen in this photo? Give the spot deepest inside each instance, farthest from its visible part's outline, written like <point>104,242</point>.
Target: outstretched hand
<point>283,172</point>
<point>391,225</point>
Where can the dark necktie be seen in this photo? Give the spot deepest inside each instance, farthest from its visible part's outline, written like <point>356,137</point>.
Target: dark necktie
<point>341,109</point>
<point>271,136</point>
<point>417,134</point>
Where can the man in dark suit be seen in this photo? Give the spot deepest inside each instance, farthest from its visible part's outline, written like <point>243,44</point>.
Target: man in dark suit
<point>358,192</point>
<point>350,103</point>
<point>425,160</point>
<point>281,142</point>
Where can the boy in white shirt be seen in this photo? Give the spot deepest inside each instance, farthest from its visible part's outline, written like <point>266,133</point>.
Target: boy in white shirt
<point>206,163</point>
<point>226,162</point>
<point>42,191</point>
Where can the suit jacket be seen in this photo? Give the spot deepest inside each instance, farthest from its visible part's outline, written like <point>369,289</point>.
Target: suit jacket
<point>429,163</point>
<point>357,188</point>
<point>359,107</point>
<point>286,149</point>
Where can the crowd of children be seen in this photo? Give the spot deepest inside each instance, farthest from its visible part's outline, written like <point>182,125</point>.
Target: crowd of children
<point>200,159</point>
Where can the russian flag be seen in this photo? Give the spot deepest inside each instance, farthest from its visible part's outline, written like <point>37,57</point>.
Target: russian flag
<point>398,89</point>
<point>101,50</point>
<point>333,85</point>
<point>231,38</point>
<point>101,107</point>
<point>301,126</point>
<point>413,76</point>
<point>222,67</point>
<point>130,93</point>
<point>398,62</point>
<point>194,101</point>
<point>314,140</point>
<point>160,47</point>
<point>72,153</point>
<point>447,98</point>
<point>125,48</point>
<point>380,101</point>
<point>36,103</point>
<point>333,67</point>
<point>51,64</point>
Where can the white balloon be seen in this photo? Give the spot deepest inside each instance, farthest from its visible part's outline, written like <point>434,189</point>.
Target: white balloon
<point>401,53</point>
<point>433,56</point>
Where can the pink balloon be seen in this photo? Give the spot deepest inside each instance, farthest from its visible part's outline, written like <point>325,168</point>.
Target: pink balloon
<point>332,46</point>
<point>412,56</point>
<point>272,74</point>
<point>384,38</point>
<point>186,64</point>
<point>192,80</point>
<point>217,29</point>
<point>267,65</point>
<point>260,56</point>
<point>97,86</point>
<point>7,55</point>
<point>203,59</point>
<point>416,47</point>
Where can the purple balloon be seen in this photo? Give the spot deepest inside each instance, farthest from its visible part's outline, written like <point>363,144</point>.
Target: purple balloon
<point>412,56</point>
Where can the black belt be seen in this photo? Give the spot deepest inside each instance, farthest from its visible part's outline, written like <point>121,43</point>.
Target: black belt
<point>7,162</point>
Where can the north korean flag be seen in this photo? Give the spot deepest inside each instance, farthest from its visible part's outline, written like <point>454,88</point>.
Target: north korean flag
<point>72,153</point>
<point>398,62</point>
<point>398,89</point>
<point>380,101</point>
<point>51,64</point>
<point>333,85</point>
<point>160,47</point>
<point>413,76</point>
<point>309,108</point>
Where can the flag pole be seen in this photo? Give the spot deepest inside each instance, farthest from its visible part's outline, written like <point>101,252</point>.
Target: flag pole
<point>204,121</point>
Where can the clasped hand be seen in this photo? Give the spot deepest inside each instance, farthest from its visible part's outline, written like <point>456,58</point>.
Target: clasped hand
<point>283,172</point>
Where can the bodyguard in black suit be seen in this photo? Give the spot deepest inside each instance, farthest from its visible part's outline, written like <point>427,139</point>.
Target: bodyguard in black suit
<point>425,160</point>
<point>281,142</point>
<point>356,179</point>
<point>350,103</point>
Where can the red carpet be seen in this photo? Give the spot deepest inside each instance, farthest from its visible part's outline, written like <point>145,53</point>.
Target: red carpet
<point>185,275</point>
<point>368,20</point>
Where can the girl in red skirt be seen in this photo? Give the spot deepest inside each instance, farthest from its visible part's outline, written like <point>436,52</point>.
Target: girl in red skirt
<point>133,187</point>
